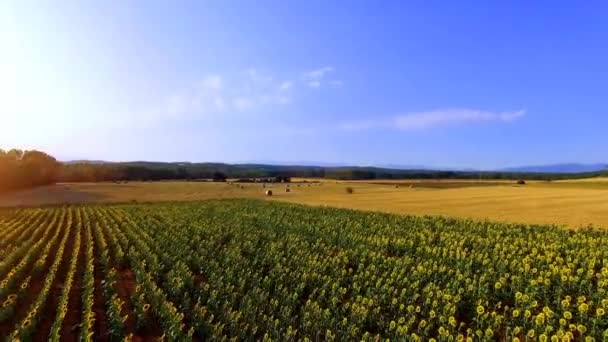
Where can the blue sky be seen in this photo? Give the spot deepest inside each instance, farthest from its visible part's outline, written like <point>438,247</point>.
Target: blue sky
<point>444,84</point>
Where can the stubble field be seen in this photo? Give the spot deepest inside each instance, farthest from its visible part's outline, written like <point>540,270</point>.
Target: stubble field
<point>573,204</point>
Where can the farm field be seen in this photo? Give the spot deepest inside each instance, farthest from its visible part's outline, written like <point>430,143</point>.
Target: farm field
<point>569,203</point>
<point>256,270</point>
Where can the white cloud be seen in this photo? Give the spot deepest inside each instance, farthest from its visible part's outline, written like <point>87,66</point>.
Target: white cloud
<point>213,82</point>
<point>318,73</point>
<point>243,103</point>
<point>451,116</point>
<point>430,119</point>
<point>176,104</point>
<point>286,85</point>
<point>226,95</point>
<point>257,76</point>
<point>214,95</point>
<point>314,84</point>
<point>219,103</point>
<point>315,78</point>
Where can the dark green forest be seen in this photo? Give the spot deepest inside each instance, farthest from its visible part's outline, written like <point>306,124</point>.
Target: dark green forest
<point>22,169</point>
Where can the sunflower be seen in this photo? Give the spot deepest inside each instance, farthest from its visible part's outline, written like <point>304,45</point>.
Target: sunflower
<point>583,307</point>
<point>452,321</point>
<point>540,319</point>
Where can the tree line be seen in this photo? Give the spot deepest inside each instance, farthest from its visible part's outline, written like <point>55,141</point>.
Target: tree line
<point>22,169</point>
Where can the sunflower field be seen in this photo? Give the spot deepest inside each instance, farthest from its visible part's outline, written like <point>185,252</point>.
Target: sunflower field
<point>249,270</point>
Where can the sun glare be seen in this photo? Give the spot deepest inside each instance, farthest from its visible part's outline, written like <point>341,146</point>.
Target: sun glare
<point>30,97</point>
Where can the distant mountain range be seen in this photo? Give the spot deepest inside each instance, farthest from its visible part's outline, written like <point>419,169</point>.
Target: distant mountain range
<point>550,168</point>
<point>86,161</point>
<point>559,168</point>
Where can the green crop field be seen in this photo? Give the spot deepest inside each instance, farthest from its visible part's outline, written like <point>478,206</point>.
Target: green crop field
<point>253,270</point>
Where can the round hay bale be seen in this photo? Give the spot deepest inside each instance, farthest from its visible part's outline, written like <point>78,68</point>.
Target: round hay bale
<point>287,189</point>
<point>268,192</point>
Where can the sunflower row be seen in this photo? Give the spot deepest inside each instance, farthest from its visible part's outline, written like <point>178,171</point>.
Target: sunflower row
<point>21,226</point>
<point>144,263</point>
<point>20,254</point>
<point>62,309</point>
<point>8,307</point>
<point>88,283</point>
<point>18,271</point>
<point>114,307</point>
<point>26,328</point>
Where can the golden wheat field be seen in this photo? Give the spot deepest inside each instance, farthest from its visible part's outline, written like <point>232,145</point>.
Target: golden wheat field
<point>569,203</point>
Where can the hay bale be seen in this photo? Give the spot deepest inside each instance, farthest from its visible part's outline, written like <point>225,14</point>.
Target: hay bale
<point>350,190</point>
<point>268,192</point>
<point>287,189</point>
<point>521,182</point>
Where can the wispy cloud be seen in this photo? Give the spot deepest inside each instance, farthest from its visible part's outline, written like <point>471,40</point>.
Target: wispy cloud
<point>316,78</point>
<point>257,76</point>
<point>221,97</point>
<point>204,96</point>
<point>243,103</point>
<point>214,94</point>
<point>336,83</point>
<point>314,84</point>
<point>286,85</point>
<point>213,82</point>
<point>318,73</point>
<point>431,119</point>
